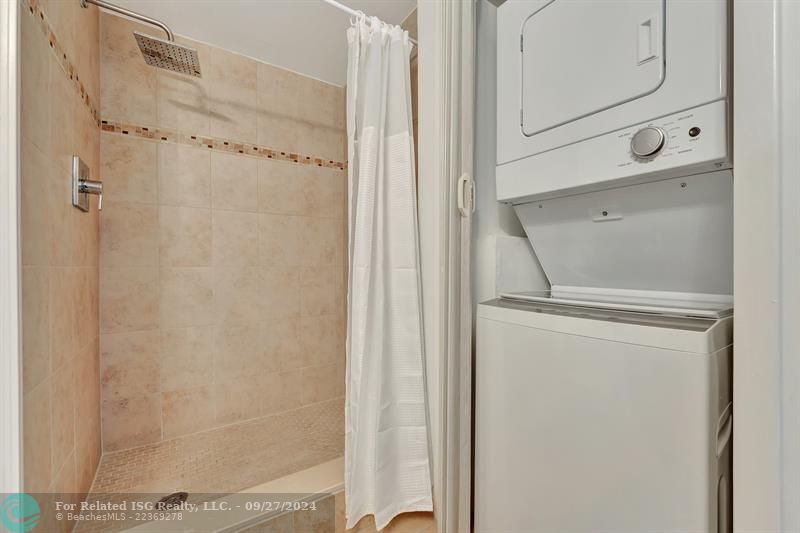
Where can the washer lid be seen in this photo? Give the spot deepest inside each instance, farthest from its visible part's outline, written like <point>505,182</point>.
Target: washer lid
<point>666,241</point>
<point>649,305</point>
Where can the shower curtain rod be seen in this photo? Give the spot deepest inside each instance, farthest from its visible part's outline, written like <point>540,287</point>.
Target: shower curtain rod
<point>355,13</point>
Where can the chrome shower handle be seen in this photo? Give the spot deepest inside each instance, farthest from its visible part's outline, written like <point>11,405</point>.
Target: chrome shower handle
<point>82,186</point>
<point>92,187</point>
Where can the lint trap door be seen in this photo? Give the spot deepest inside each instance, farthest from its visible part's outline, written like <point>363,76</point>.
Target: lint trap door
<point>580,57</point>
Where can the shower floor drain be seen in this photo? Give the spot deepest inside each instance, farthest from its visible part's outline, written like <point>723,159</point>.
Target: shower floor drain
<point>176,499</point>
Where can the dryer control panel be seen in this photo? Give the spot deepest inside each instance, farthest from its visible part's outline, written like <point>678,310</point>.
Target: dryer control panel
<point>672,136</point>
<point>680,144</point>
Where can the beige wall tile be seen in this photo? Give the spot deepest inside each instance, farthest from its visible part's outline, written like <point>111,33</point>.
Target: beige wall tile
<point>280,392</point>
<point>280,291</point>
<point>88,305</point>
<point>185,236</point>
<point>234,182</point>
<point>322,339</point>
<point>235,238</point>
<point>278,102</point>
<point>321,141</point>
<point>226,66</point>
<point>36,205</point>
<point>130,364</point>
<point>121,54</point>
<point>129,169</point>
<point>35,326</point>
<point>322,191</point>
<point>240,330</point>
<point>131,422</point>
<point>323,242</point>
<point>322,383</point>
<point>183,101</point>
<point>233,111</point>
<point>321,292</point>
<point>87,402</point>
<point>61,16</point>
<point>36,435</point>
<point>129,235</point>
<point>35,84</point>
<point>87,41</point>
<point>128,91</point>
<point>280,240</point>
<point>63,219</point>
<point>63,115</point>
<point>237,352</point>
<point>281,342</point>
<point>278,127</point>
<point>186,358</point>
<point>60,296</point>
<point>116,35</point>
<point>236,400</point>
<point>62,414</point>
<point>187,297</point>
<point>187,411</point>
<point>279,189</point>
<point>236,294</point>
<point>65,316</point>
<point>87,458</point>
<point>184,175</point>
<point>128,299</point>
<point>321,103</point>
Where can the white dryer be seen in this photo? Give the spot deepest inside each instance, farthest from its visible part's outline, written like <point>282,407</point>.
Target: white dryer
<point>593,94</point>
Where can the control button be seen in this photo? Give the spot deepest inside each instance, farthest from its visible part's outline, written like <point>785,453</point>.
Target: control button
<point>694,131</point>
<point>647,142</point>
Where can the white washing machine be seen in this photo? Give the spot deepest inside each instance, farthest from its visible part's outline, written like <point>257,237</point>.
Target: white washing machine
<point>600,420</point>
<point>604,404</point>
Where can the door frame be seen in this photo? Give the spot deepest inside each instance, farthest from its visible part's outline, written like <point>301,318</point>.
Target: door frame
<point>10,362</point>
<point>446,109</point>
<point>766,359</point>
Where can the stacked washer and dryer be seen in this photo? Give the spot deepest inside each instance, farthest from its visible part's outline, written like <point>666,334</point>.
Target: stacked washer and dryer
<point>604,404</point>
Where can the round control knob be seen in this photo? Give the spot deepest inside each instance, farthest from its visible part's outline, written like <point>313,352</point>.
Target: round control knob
<point>647,142</point>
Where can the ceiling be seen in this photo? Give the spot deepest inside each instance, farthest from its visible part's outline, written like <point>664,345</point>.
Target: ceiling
<point>307,36</point>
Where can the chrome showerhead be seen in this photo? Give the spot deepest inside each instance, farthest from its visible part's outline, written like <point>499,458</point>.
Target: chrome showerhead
<point>168,55</point>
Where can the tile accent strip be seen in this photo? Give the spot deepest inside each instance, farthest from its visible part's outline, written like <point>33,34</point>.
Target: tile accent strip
<point>33,8</point>
<point>221,145</point>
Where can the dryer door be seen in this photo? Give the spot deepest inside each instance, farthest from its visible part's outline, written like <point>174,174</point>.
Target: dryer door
<point>580,57</point>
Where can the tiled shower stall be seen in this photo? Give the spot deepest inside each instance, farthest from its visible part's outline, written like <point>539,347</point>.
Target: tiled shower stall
<point>189,336</point>
<point>222,246</point>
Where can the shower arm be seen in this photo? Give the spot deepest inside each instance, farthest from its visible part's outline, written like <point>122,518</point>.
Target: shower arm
<point>130,14</point>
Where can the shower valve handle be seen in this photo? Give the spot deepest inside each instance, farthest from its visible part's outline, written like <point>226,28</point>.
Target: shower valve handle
<point>92,187</point>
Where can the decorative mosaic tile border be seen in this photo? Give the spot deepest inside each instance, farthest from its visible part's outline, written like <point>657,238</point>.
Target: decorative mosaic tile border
<point>35,10</point>
<point>221,145</point>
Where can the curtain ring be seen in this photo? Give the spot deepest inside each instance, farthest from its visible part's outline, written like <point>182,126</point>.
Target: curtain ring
<point>359,17</point>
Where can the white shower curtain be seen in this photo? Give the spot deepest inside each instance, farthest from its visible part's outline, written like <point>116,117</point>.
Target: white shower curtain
<point>387,470</point>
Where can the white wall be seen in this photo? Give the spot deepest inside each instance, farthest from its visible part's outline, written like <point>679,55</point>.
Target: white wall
<point>766,266</point>
<point>491,219</point>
